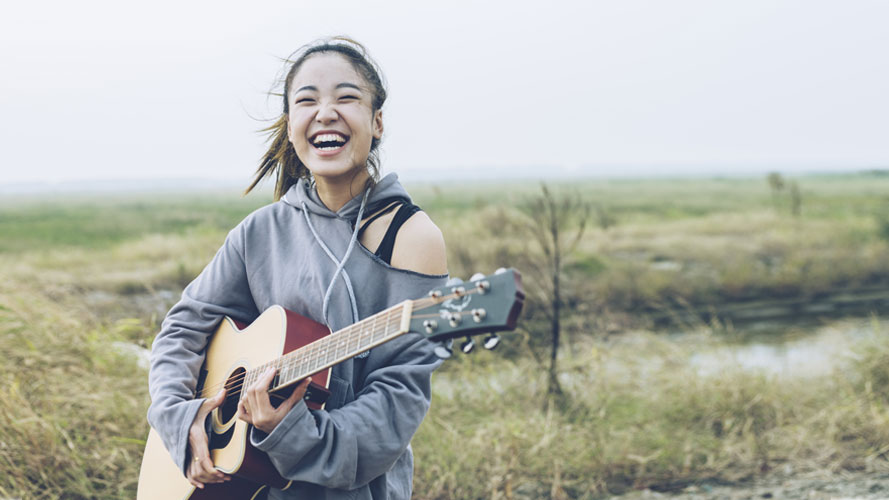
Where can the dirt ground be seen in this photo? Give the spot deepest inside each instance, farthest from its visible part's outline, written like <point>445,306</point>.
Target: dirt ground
<point>845,487</point>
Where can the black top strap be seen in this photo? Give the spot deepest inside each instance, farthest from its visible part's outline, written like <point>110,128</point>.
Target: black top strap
<point>387,202</point>
<point>376,216</point>
<point>405,211</point>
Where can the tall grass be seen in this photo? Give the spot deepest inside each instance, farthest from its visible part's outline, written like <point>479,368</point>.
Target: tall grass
<point>637,415</point>
<point>71,405</point>
<point>83,281</point>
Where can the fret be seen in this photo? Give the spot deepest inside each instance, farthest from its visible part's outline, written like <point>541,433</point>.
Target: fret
<point>334,346</point>
<point>388,322</point>
<point>313,357</point>
<point>300,362</point>
<point>292,367</point>
<point>344,341</point>
<point>363,338</point>
<point>331,350</point>
<point>284,371</point>
<point>327,351</point>
<point>296,364</point>
<point>373,326</point>
<point>275,378</point>
<point>351,344</point>
<point>340,342</point>
<point>321,356</point>
<point>248,379</point>
<point>317,354</point>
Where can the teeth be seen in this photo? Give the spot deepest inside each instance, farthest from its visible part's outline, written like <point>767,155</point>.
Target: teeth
<point>329,138</point>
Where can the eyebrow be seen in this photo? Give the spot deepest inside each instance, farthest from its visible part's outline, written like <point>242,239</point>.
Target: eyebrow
<point>339,86</point>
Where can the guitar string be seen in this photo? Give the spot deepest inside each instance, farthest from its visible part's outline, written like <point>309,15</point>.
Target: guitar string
<point>310,358</point>
<point>236,384</point>
<point>311,351</point>
<point>418,304</point>
<point>423,304</point>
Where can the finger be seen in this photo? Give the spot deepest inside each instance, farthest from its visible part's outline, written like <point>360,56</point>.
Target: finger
<point>206,472</point>
<point>268,376</point>
<point>204,464</point>
<point>217,400</point>
<point>262,385</point>
<point>253,389</point>
<point>242,412</point>
<point>210,403</point>
<point>260,391</point>
<point>298,393</point>
<point>210,473</point>
<point>192,472</point>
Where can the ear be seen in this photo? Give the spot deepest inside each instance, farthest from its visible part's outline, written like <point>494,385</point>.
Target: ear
<point>289,130</point>
<point>378,124</point>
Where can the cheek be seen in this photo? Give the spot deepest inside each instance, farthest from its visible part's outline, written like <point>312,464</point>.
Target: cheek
<point>296,132</point>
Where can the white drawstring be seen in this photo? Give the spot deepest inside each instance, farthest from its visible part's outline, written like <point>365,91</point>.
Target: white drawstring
<point>340,264</point>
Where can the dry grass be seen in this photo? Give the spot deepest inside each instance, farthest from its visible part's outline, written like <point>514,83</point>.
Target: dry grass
<point>72,404</point>
<point>637,415</point>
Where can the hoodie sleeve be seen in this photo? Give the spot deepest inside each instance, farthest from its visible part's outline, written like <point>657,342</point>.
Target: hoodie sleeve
<point>178,350</point>
<point>348,447</point>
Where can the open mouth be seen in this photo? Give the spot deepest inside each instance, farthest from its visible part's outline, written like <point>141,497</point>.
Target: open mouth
<point>329,141</point>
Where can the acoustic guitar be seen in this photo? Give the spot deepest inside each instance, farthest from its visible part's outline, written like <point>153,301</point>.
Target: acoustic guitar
<point>299,347</point>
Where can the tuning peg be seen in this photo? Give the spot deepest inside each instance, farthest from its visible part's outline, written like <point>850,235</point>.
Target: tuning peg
<point>454,319</point>
<point>478,315</point>
<point>430,325</point>
<point>444,350</point>
<point>491,341</point>
<point>468,345</point>
<point>454,282</point>
<point>476,277</point>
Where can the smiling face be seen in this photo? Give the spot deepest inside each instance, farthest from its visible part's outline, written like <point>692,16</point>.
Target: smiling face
<point>331,123</point>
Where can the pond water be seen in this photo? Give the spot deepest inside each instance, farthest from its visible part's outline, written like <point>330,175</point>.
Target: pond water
<point>794,351</point>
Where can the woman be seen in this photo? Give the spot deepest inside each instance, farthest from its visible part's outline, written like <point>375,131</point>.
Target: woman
<point>338,246</point>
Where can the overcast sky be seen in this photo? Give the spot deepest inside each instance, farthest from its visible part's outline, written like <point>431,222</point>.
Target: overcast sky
<point>170,89</point>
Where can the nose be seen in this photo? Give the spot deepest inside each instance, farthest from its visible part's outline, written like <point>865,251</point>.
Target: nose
<point>326,113</point>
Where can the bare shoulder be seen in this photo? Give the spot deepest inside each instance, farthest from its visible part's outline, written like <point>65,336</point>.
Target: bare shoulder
<point>420,246</point>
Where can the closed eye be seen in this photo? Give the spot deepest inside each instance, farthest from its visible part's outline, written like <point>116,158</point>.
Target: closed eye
<point>348,97</point>
<point>304,99</point>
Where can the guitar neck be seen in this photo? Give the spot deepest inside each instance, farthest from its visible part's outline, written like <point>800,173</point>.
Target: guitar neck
<point>336,347</point>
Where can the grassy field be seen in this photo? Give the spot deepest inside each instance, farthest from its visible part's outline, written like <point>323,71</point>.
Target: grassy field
<point>85,278</point>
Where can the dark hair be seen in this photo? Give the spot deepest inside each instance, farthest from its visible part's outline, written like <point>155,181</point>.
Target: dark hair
<point>281,160</point>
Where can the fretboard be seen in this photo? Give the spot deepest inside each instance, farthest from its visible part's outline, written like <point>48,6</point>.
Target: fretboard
<point>336,347</point>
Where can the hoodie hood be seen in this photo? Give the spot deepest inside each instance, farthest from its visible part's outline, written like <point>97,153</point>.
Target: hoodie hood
<point>303,194</point>
<point>304,198</point>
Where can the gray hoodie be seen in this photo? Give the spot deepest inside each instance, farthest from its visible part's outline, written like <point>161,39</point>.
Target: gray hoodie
<point>359,446</point>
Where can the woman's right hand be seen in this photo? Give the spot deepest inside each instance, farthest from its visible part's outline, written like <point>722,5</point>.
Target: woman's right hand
<point>200,467</point>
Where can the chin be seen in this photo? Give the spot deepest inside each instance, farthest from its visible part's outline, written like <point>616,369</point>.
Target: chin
<point>336,172</point>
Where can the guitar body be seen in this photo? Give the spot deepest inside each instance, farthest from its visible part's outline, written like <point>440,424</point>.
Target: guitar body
<point>232,351</point>
<point>299,348</point>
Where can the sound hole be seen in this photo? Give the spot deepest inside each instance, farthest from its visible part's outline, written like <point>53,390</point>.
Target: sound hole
<point>229,408</point>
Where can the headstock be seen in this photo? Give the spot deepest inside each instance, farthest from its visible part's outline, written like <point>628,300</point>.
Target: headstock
<point>484,304</point>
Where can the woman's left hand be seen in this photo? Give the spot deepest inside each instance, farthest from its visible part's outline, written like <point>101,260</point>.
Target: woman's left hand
<point>256,408</point>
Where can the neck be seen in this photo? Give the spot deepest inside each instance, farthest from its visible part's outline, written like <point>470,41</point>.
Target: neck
<point>336,347</point>
<point>335,192</point>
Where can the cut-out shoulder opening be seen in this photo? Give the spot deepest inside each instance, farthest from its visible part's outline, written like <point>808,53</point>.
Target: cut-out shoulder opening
<point>404,237</point>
